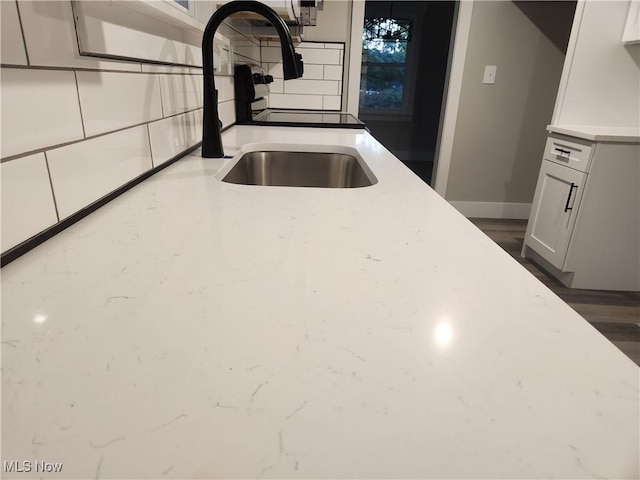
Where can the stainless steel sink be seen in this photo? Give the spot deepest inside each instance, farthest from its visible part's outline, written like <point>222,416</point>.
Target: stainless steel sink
<point>300,169</point>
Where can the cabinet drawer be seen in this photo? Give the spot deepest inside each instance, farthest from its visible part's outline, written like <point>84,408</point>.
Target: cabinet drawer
<point>572,152</point>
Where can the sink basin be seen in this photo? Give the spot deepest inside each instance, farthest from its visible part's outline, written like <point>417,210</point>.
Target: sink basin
<point>300,169</point>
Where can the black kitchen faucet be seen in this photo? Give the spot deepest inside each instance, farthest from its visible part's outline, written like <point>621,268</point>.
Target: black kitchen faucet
<point>291,65</point>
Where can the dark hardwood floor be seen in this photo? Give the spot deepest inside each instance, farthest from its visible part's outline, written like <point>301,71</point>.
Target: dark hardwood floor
<point>614,314</point>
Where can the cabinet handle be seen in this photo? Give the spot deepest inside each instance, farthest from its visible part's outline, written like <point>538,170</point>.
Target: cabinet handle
<point>567,207</point>
<point>562,152</point>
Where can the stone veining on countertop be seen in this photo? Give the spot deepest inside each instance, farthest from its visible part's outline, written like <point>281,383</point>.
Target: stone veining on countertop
<point>239,331</point>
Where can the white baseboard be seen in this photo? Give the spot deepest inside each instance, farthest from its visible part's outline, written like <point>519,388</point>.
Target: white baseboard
<point>493,209</point>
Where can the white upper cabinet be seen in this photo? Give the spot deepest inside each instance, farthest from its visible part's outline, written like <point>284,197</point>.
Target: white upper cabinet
<point>599,85</point>
<point>157,31</point>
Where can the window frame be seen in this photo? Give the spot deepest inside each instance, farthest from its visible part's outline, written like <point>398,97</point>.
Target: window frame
<point>408,87</point>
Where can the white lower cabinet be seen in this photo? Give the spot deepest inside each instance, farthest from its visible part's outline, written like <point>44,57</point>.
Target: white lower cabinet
<point>554,210</point>
<point>584,226</point>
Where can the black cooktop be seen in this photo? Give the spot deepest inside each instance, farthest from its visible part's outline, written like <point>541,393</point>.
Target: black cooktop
<point>306,118</point>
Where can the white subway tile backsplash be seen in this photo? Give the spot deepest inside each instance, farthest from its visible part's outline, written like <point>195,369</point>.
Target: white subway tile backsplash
<point>226,113</point>
<point>321,80</point>
<point>180,93</point>
<point>313,72</point>
<point>51,40</point>
<point>39,108</point>
<point>152,68</point>
<point>231,32</point>
<point>171,136</point>
<point>54,109</point>
<point>239,59</point>
<point>11,42</point>
<point>271,55</point>
<point>315,87</point>
<point>113,100</point>
<point>331,102</point>
<point>277,86</point>
<point>27,201</point>
<point>275,70</point>
<point>333,72</point>
<point>320,56</point>
<point>224,85</point>
<point>248,50</point>
<point>304,45</point>
<point>83,172</point>
<point>197,114</point>
<point>312,102</point>
<point>192,54</point>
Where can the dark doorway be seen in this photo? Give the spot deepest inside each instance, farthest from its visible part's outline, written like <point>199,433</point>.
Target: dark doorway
<point>404,69</point>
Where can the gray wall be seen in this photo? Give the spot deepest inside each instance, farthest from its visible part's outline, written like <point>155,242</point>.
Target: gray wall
<point>500,131</point>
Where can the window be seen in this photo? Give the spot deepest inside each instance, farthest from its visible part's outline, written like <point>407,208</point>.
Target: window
<point>383,84</point>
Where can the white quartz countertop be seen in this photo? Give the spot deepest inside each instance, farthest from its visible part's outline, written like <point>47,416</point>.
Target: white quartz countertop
<point>198,329</point>
<point>597,133</point>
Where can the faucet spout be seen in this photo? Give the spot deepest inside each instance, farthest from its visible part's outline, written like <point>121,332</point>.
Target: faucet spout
<point>291,63</point>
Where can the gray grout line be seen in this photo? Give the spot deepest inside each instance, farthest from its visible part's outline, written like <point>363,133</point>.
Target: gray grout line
<point>84,131</point>
<point>150,149</point>
<point>72,142</point>
<point>53,193</point>
<point>161,97</point>
<point>99,70</point>
<point>24,38</point>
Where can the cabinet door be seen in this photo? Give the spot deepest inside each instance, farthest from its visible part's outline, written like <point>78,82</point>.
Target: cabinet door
<point>554,211</point>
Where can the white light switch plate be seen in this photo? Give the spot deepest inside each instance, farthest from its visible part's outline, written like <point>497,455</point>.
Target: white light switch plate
<point>489,74</point>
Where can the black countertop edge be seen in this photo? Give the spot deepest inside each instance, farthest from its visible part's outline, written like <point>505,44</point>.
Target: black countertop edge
<point>39,238</point>
<point>352,126</point>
